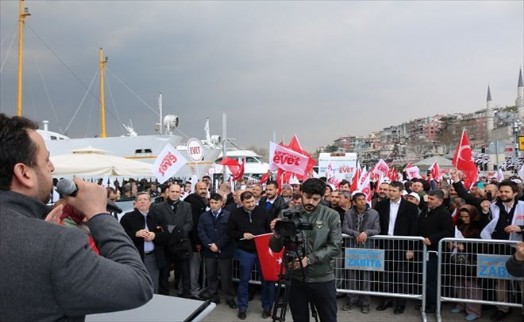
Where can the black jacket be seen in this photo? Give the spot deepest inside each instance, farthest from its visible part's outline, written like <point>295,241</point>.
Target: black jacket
<point>406,222</point>
<point>211,230</point>
<point>198,207</point>
<point>134,221</point>
<point>276,207</point>
<point>435,224</point>
<point>240,223</point>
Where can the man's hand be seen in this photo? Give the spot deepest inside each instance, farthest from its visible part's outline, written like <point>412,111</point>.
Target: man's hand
<point>248,236</point>
<point>296,263</point>
<point>273,223</point>
<point>90,200</point>
<point>54,215</point>
<point>427,242</point>
<point>142,233</point>
<point>150,236</point>
<point>512,229</point>
<point>362,237</point>
<point>213,247</point>
<point>410,254</point>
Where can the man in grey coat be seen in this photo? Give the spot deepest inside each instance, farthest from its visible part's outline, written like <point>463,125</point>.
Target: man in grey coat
<point>360,222</point>
<point>49,272</point>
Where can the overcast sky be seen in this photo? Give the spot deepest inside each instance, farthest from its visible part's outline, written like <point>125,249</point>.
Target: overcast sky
<point>318,69</point>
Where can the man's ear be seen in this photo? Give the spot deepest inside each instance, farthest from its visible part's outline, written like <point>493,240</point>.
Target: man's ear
<point>23,175</point>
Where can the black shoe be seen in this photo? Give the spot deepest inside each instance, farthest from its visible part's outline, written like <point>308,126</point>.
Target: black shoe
<point>384,305</point>
<point>364,309</point>
<point>399,309</point>
<point>216,301</point>
<point>266,314</point>
<point>241,315</point>
<point>499,315</point>
<point>232,304</point>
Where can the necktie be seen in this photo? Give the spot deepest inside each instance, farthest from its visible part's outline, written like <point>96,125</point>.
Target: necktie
<point>215,214</point>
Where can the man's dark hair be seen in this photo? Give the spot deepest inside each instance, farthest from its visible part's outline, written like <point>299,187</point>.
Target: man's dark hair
<point>344,182</point>
<point>215,196</point>
<point>273,182</point>
<point>246,195</point>
<point>437,193</point>
<point>512,184</point>
<point>314,186</point>
<point>356,195</point>
<point>397,184</point>
<point>328,187</point>
<point>15,146</point>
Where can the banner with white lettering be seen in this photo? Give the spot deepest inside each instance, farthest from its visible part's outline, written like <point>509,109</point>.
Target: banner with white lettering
<point>168,163</point>
<point>287,159</point>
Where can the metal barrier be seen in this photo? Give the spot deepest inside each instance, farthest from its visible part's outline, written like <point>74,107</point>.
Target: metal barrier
<point>380,267</point>
<point>472,271</point>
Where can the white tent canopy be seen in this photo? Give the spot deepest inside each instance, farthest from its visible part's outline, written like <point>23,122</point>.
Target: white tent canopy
<point>94,162</point>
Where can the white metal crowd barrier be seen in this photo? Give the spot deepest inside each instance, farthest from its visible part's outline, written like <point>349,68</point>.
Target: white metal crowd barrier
<point>472,272</point>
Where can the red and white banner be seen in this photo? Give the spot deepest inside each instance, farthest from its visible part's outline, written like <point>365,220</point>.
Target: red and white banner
<point>381,168</point>
<point>412,172</point>
<point>463,160</point>
<point>364,185</point>
<point>270,262</point>
<point>168,163</point>
<point>287,160</point>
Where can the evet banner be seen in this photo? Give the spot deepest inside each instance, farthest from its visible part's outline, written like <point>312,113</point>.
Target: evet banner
<point>168,162</point>
<point>287,159</point>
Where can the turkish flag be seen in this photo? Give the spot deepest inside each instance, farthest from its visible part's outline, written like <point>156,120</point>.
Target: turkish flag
<point>269,262</point>
<point>236,168</point>
<point>435,171</point>
<point>463,160</point>
<point>354,180</point>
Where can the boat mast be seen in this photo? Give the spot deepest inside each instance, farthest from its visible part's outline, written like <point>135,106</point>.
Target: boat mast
<point>22,13</point>
<point>102,66</point>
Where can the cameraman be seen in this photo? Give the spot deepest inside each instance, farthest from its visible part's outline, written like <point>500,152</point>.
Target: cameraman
<point>316,282</point>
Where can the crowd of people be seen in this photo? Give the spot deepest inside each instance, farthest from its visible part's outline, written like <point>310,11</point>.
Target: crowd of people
<point>183,227</point>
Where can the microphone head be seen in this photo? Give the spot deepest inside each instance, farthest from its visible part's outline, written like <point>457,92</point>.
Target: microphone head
<point>66,187</point>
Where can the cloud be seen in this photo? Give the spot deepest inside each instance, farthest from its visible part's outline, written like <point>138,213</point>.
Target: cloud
<point>317,69</point>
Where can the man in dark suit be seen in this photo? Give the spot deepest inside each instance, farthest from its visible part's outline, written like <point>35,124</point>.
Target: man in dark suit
<point>198,202</point>
<point>148,234</point>
<point>175,212</point>
<point>398,217</point>
<point>272,202</point>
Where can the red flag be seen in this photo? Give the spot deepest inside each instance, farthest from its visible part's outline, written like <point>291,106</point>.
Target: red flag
<point>269,262</point>
<point>435,171</point>
<point>354,180</point>
<point>237,169</point>
<point>463,160</point>
<point>264,178</point>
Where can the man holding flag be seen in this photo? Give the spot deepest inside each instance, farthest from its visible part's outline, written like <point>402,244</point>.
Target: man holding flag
<point>244,224</point>
<point>314,284</point>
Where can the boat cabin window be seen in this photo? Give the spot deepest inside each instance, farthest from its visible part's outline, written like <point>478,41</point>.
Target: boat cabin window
<point>252,160</point>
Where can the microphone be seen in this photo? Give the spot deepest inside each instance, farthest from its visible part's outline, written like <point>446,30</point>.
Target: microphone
<point>66,187</point>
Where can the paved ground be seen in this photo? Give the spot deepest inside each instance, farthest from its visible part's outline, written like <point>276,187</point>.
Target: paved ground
<point>223,313</point>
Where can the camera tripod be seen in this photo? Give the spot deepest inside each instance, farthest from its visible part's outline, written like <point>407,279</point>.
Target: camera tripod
<point>292,253</point>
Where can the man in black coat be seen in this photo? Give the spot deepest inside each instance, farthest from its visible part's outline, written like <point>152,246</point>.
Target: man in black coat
<point>198,202</point>
<point>434,224</point>
<point>148,234</point>
<point>398,217</point>
<point>217,249</point>
<point>272,202</point>
<point>175,212</point>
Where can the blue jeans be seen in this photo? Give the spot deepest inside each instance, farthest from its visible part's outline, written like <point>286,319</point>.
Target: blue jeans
<point>247,261</point>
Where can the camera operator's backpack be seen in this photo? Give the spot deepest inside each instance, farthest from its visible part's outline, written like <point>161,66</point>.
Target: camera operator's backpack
<point>179,246</point>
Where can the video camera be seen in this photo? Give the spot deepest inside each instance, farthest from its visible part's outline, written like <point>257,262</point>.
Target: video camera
<point>291,225</point>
